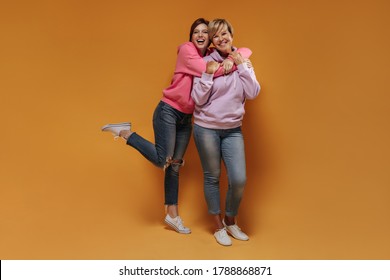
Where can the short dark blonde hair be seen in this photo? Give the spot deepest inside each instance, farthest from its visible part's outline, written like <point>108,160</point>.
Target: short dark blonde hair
<point>217,24</point>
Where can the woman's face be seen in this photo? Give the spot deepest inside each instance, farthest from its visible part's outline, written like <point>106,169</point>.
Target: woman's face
<point>200,37</point>
<point>223,40</point>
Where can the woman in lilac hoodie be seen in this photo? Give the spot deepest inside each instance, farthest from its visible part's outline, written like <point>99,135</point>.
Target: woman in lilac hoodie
<point>172,118</point>
<point>218,116</point>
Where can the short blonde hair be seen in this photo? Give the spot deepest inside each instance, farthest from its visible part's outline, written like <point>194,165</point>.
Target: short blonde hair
<point>217,24</point>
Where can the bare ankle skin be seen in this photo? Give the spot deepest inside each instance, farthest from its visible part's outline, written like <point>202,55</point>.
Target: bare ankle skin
<point>217,222</point>
<point>125,134</point>
<point>172,211</point>
<point>229,221</point>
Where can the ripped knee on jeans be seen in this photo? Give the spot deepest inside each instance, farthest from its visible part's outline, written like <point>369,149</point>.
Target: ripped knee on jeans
<point>176,163</point>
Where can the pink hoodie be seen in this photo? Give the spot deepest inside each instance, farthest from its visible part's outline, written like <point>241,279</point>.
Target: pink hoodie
<point>189,63</point>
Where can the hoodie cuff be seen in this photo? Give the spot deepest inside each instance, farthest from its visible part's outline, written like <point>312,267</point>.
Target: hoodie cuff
<point>207,77</point>
<point>242,67</point>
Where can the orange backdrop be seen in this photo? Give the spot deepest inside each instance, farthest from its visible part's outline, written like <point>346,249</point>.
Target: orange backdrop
<point>317,138</point>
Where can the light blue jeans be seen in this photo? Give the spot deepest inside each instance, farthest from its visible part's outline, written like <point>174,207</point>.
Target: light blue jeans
<point>172,133</point>
<point>215,145</point>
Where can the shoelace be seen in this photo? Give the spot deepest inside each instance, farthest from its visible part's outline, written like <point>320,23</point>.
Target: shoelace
<point>117,136</point>
<point>222,232</point>
<point>180,224</point>
<point>235,226</point>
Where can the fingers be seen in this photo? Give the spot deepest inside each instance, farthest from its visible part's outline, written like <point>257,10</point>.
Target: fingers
<point>211,67</point>
<point>248,63</point>
<point>227,65</point>
<point>237,57</point>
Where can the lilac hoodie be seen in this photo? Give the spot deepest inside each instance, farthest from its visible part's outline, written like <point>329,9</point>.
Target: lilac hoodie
<point>219,102</point>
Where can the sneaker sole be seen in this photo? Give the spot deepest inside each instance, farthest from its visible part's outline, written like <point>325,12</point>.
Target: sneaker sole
<point>223,244</point>
<point>175,228</point>
<point>115,125</point>
<point>236,237</point>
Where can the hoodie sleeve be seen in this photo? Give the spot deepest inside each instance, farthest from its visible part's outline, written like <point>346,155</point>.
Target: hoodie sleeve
<point>245,52</point>
<point>201,88</point>
<point>190,62</point>
<point>249,82</point>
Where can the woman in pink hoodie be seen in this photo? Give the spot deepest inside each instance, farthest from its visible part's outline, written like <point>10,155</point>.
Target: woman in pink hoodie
<point>172,118</point>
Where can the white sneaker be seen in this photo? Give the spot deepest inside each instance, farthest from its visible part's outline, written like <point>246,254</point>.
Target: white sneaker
<point>177,224</point>
<point>116,128</point>
<point>236,232</point>
<point>222,237</point>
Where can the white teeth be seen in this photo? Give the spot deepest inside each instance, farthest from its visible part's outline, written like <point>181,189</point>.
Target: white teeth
<point>223,43</point>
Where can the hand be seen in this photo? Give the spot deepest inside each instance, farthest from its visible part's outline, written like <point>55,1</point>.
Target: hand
<point>237,57</point>
<point>227,65</point>
<point>211,67</point>
<point>248,63</point>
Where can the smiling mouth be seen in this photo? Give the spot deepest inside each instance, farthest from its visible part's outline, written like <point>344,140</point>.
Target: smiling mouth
<point>200,41</point>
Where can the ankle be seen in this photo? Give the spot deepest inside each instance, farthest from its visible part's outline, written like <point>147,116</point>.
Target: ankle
<point>229,221</point>
<point>172,211</point>
<point>218,229</point>
<point>125,134</point>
